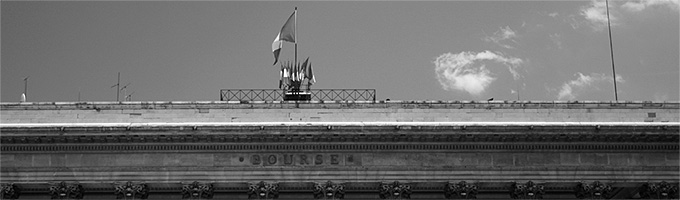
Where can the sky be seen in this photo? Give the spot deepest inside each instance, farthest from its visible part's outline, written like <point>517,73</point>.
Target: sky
<point>441,50</point>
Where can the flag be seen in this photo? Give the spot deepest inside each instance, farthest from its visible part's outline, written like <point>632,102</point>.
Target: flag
<point>287,33</point>
<point>309,75</point>
<point>286,76</point>
<point>295,72</point>
<point>281,77</point>
<point>303,69</point>
<point>292,71</point>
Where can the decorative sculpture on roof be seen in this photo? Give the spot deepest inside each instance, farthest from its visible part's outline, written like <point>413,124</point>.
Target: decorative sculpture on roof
<point>66,191</point>
<point>293,76</point>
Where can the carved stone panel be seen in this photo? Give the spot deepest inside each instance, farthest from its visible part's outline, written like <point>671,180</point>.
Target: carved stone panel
<point>131,191</point>
<point>395,190</point>
<point>661,190</point>
<point>263,190</point>
<point>10,191</point>
<point>460,190</point>
<point>329,190</point>
<point>63,190</point>
<point>595,190</point>
<point>196,190</point>
<point>529,190</point>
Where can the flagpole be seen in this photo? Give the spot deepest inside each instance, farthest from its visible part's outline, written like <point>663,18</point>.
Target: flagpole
<point>296,33</point>
<point>611,50</point>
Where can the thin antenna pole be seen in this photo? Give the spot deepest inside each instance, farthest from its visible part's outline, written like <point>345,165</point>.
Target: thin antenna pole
<point>26,86</point>
<point>611,50</point>
<point>517,86</point>
<point>118,88</point>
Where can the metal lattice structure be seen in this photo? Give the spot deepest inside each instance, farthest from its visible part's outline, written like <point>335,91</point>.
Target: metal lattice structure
<point>317,94</point>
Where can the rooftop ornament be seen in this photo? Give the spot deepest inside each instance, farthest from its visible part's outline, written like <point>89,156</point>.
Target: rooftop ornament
<point>293,77</point>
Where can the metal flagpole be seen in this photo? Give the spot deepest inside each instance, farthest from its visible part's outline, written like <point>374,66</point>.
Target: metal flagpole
<point>611,50</point>
<point>296,41</point>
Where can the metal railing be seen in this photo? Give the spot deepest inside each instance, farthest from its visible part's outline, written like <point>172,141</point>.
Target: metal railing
<point>316,94</point>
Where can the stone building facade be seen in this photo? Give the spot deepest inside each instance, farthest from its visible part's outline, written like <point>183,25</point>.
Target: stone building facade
<point>340,149</point>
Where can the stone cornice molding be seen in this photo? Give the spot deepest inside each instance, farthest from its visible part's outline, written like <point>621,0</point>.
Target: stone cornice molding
<point>337,104</point>
<point>390,147</point>
<point>350,125</point>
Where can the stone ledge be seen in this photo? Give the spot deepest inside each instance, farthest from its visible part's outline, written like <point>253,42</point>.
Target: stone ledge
<point>345,147</point>
<point>358,175</point>
<point>338,104</point>
<point>389,125</point>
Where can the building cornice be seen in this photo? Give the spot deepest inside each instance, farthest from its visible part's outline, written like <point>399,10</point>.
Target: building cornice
<point>344,125</point>
<point>426,104</point>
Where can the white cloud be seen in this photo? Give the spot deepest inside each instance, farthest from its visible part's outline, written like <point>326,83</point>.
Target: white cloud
<point>639,5</point>
<point>557,39</point>
<point>554,14</point>
<point>460,71</point>
<point>596,15</point>
<point>502,35</point>
<point>570,90</point>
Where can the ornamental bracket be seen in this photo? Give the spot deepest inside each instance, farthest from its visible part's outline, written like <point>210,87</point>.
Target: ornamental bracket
<point>662,190</point>
<point>196,190</point>
<point>395,190</point>
<point>263,190</point>
<point>131,191</point>
<point>460,190</point>
<point>529,190</point>
<point>329,190</point>
<point>63,190</point>
<point>10,191</point>
<point>595,190</point>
